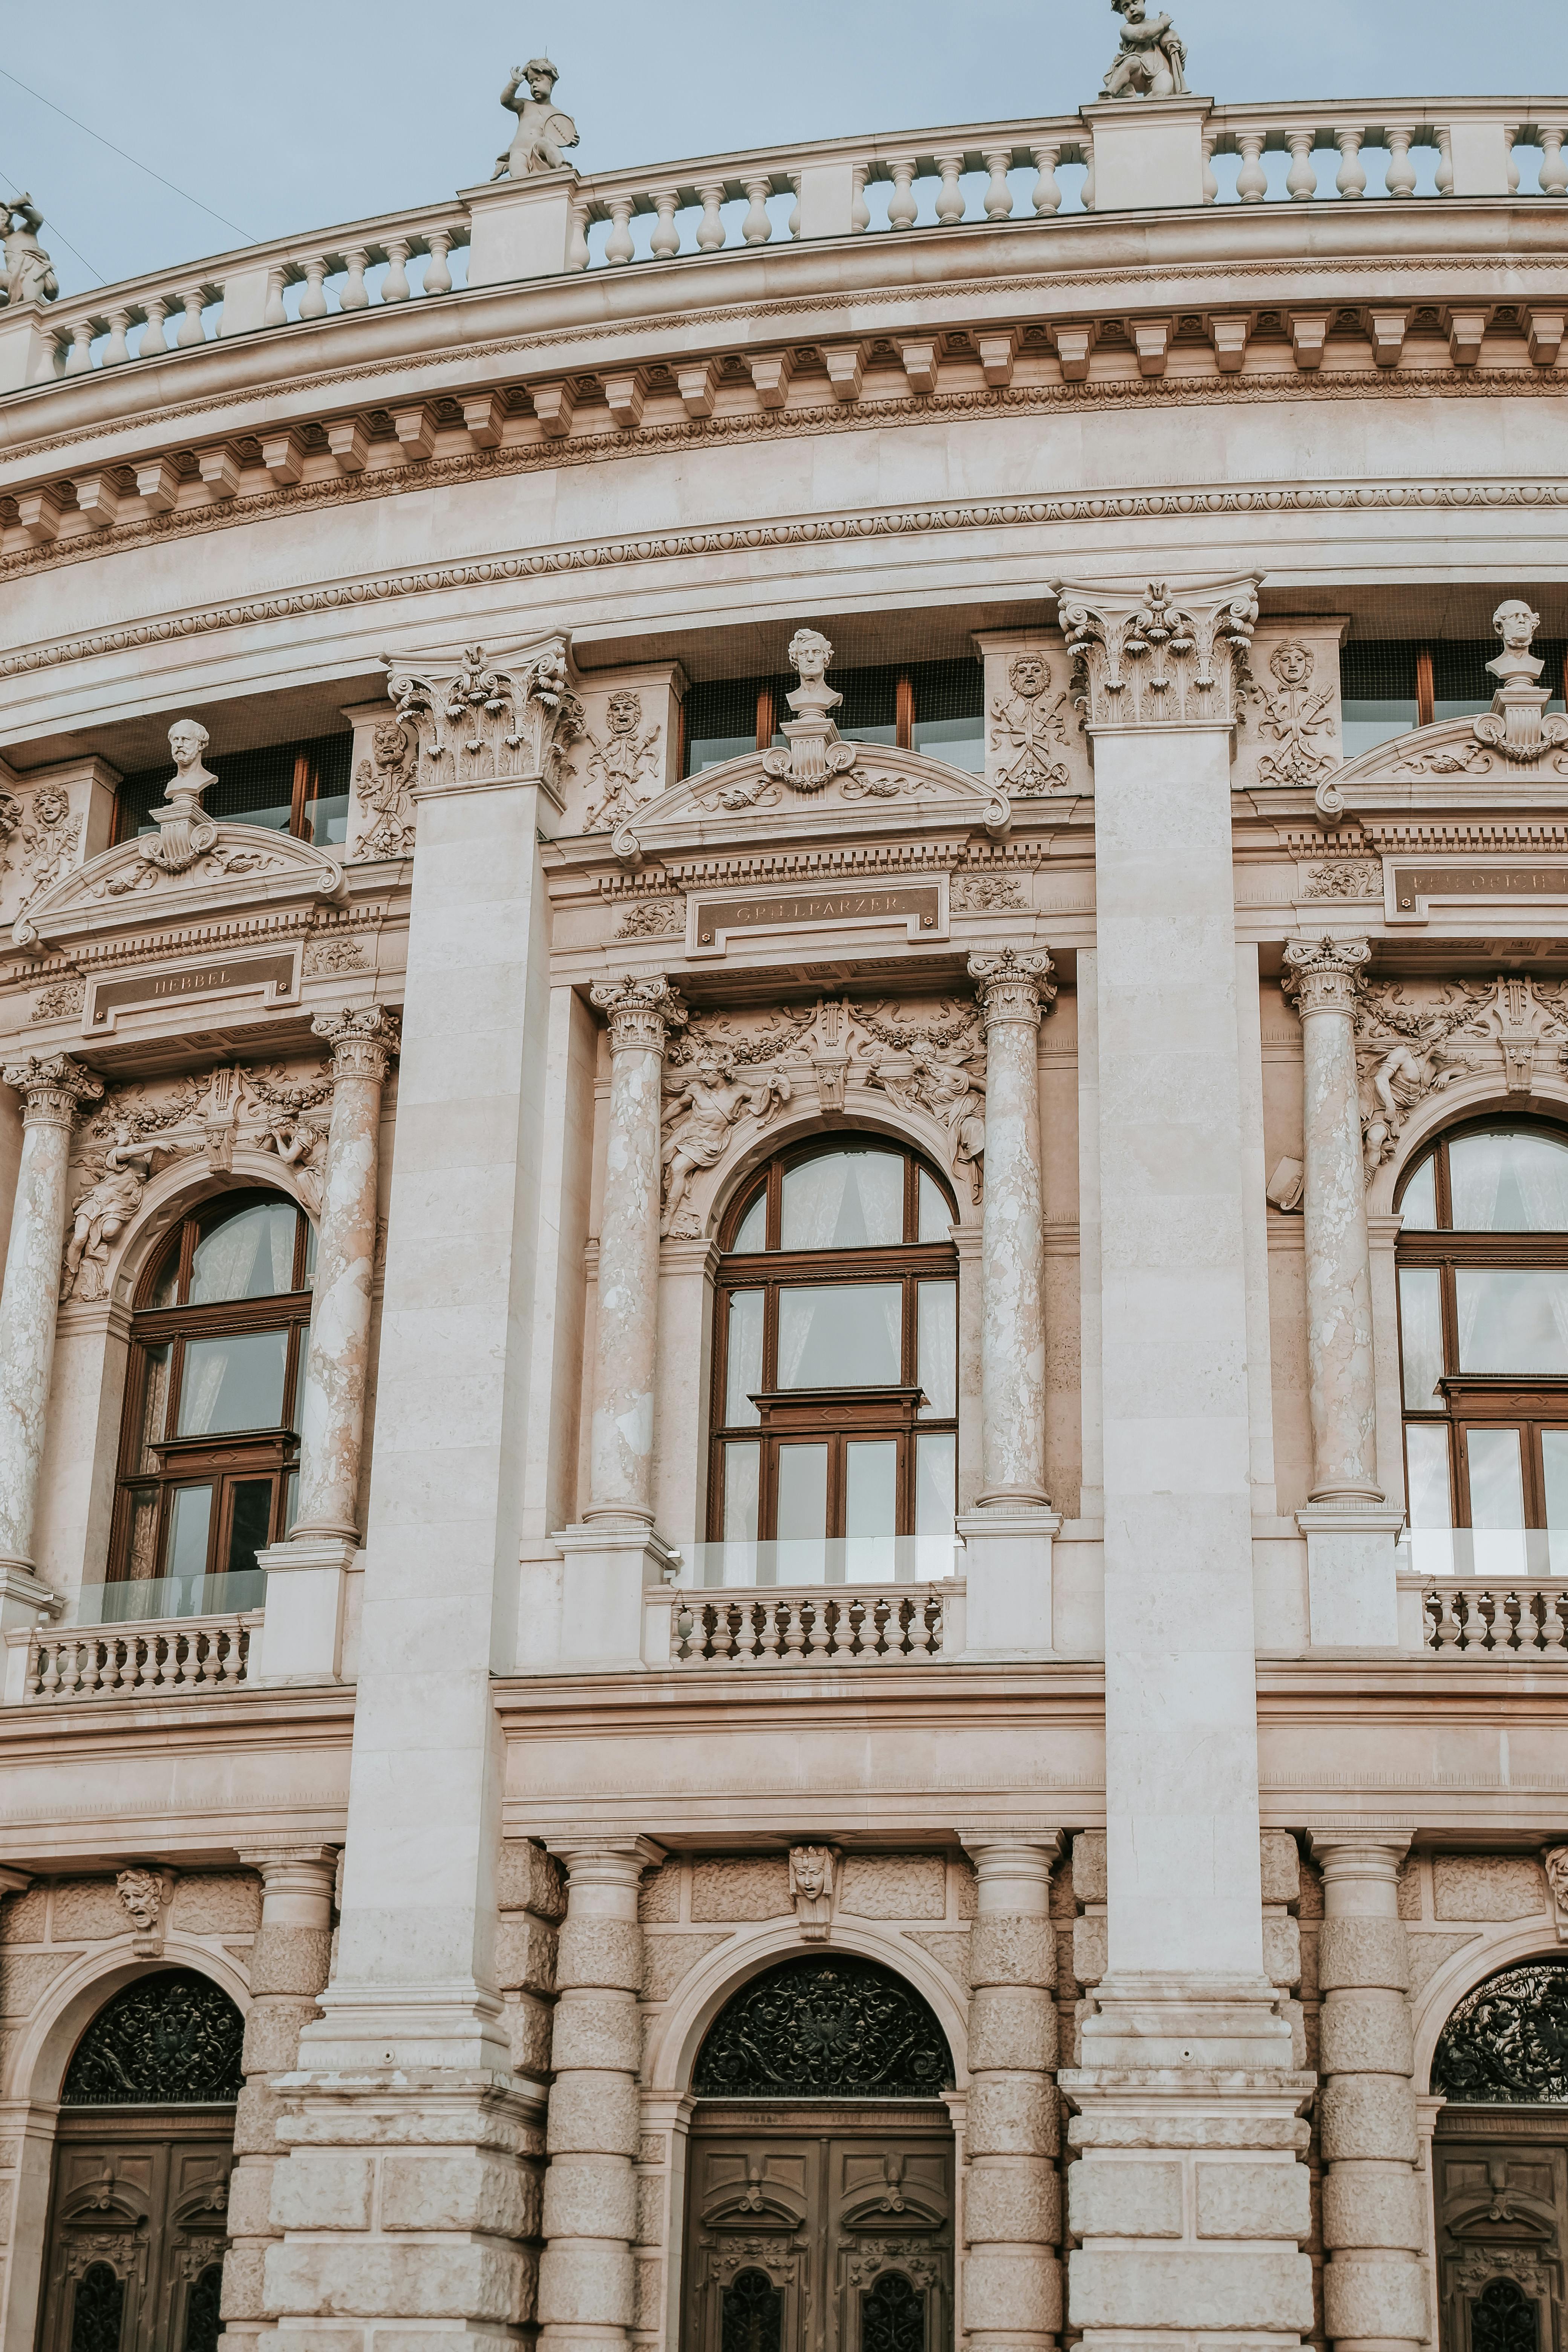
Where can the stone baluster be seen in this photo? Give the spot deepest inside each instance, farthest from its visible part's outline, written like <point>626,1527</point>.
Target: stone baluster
<point>53,1092</point>
<point>998,162</point>
<point>1350,178</point>
<point>1374,2287</point>
<point>585,2283</point>
<point>1047,197</point>
<point>153,336</point>
<point>1400,177</point>
<point>949,200</point>
<point>1301,180</point>
<point>1251,181</point>
<point>288,1967</point>
<point>1012,2203</point>
<point>1352,1588</point>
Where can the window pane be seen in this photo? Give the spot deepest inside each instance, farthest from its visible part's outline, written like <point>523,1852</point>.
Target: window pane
<point>754,1233</point>
<point>1419,1205</point>
<point>1508,1183</point>
<point>936,1485</point>
<point>309,1281</point>
<point>960,742</point>
<point>938,1336</point>
<point>234,1383</point>
<point>740,1481</point>
<point>842,1335</point>
<point>1497,1486</point>
<point>936,1217</point>
<point>846,1200</point>
<point>326,815</point>
<point>1555,1461</point>
<point>743,1370</point>
<point>246,1253</point>
<point>871,1486</point>
<point>1427,1464</point>
<point>189,1524</point>
<point>803,1493</point>
<point>154,1405</point>
<point>1421,1334</point>
<point>250,1524</point>
<point>1512,1318</point>
<point>166,1290</point>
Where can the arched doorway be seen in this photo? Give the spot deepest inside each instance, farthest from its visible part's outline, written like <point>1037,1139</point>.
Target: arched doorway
<point>137,2214</point>
<point>820,2180</point>
<point>1501,2163</point>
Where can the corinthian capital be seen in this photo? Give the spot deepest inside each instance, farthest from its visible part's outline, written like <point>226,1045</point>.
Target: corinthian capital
<point>1013,987</point>
<point>362,1043</point>
<point>642,1012</point>
<point>54,1089</point>
<point>1325,975</point>
<point>1157,656</point>
<point>502,716</point>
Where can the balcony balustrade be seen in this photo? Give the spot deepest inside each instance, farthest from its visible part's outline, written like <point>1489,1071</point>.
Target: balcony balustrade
<point>138,1661</point>
<point>814,1625</point>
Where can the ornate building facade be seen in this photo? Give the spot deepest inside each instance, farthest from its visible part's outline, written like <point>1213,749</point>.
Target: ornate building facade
<point>784,1360</point>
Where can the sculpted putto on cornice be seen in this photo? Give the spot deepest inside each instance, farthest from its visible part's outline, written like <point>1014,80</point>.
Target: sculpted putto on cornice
<point>482,721</point>
<point>1413,1041</point>
<point>1157,659</point>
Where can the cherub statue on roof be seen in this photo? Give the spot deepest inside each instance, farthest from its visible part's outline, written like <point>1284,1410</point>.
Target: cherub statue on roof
<point>1151,60</point>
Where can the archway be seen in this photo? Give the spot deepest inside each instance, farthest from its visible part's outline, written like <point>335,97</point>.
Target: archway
<point>820,2178</point>
<point>138,2213</point>
<point>1501,2162</point>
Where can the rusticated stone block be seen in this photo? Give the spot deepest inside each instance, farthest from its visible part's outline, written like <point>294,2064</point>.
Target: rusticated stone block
<point>749,1887</point>
<point>1283,1951</point>
<point>588,2285</point>
<point>1371,2115</point>
<point>651,2191</point>
<point>965,1886</point>
<point>1363,1952</point>
<point>26,1977</point>
<point>1015,2203</point>
<point>272,2031</point>
<point>1281,1861</point>
<point>1089,1875</point>
<point>1364,2206</point>
<point>530,1880</point>
<point>375,2278</point>
<point>590,2197</point>
<point>1164,2289</point>
<point>322,2192</point>
<point>1012,2292</point>
<point>1011,1948</point>
<point>1374,2300</point>
<point>1090,1949</point>
<point>1407,1889</point>
<point>668,1958</point>
<point>647,2289</point>
<point>595,2029</point>
<point>525,1953</point>
<point>1013,2115</point>
<point>948,1946</point>
<point>226,1903</point>
<point>256,2118</point>
<point>243,2285</point>
<point>600,1952</point>
<point>460,2193</point>
<point>23,1917</point>
<point>1429,1950</point>
<point>250,2199</point>
<point>1365,2032</point>
<point>527,2029</point>
<point>1487,1886</point>
<point>1012,2027</point>
<point>1254,2200</point>
<point>290,1959</point>
<point>87,1910</point>
<point>894,1886</point>
<point>658,1892</point>
<point>1124,2200</point>
<point>593,2115</point>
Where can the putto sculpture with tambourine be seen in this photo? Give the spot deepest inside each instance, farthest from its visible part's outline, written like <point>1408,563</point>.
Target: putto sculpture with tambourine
<point>544,131</point>
<point>1153,59</point>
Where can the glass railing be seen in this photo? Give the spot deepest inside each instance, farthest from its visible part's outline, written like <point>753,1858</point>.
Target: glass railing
<point>151,1600</point>
<point>1494,1553</point>
<point>833,1559</point>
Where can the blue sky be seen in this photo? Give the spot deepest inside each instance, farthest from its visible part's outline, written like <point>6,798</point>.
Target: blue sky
<point>298,116</point>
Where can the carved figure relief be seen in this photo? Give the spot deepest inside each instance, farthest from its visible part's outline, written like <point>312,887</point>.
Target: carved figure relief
<point>1556,1862</point>
<point>974,894</point>
<point>1411,1041</point>
<point>1344,877</point>
<point>48,842</point>
<point>813,1871</point>
<point>653,918</point>
<point>1297,717</point>
<point>936,1065</point>
<point>625,765</point>
<point>60,1000</point>
<point>1027,729</point>
<point>101,1214</point>
<point>712,1083</point>
<point>385,783</point>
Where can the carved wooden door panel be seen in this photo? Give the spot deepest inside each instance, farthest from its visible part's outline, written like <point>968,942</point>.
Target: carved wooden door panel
<point>136,2238</point>
<point>1500,2200</point>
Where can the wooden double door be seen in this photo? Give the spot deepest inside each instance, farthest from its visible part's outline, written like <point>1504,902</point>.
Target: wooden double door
<point>136,2229</point>
<point>1500,2200</point>
<point>821,2230</point>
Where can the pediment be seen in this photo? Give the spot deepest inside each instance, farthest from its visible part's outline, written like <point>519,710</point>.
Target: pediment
<point>1456,752</point>
<point>245,866</point>
<point>883,791</point>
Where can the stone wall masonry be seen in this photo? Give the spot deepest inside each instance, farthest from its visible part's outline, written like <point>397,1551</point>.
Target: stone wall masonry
<point>531,1900</point>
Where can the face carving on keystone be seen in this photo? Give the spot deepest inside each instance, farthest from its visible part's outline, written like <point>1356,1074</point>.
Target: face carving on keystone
<point>142,1893</point>
<point>1028,674</point>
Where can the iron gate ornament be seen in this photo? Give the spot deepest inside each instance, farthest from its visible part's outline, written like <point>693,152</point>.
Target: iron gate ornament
<point>169,2039</point>
<point>1506,2043</point>
<point>825,2028</point>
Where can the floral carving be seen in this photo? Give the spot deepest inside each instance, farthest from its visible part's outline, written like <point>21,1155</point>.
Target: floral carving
<point>1027,729</point>
<point>1506,2043</point>
<point>1345,878</point>
<point>386,786</point>
<point>973,894</point>
<point>172,2036</point>
<point>334,955</point>
<point>823,2028</point>
<point>48,839</point>
<point>1153,661</point>
<point>60,1000</point>
<point>484,719</point>
<point>1409,1046</point>
<point>623,764</point>
<point>653,918</point>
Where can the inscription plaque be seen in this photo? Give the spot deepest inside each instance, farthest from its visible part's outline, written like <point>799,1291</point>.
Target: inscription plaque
<point>1412,884</point>
<point>921,907</point>
<point>275,977</point>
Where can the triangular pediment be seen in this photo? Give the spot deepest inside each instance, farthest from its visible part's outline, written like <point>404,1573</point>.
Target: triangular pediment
<point>1456,752</point>
<point>883,791</point>
<point>245,865</point>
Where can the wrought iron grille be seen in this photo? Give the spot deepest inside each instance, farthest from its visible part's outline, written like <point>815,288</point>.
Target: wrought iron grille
<point>203,2321</point>
<point>823,2029</point>
<point>1502,2319</point>
<point>170,2040</point>
<point>99,2311</point>
<point>752,2315</point>
<point>1506,2043</point>
<point>894,2316</point>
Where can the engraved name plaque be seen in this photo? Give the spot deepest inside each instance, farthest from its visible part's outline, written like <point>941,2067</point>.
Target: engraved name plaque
<point>919,908</point>
<point>1413,887</point>
<point>275,977</point>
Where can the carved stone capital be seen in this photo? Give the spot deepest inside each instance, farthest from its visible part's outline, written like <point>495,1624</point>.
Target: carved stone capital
<point>642,1012</point>
<point>1013,987</point>
<point>55,1089</point>
<point>362,1042</point>
<point>508,716</point>
<point>1325,975</point>
<point>1161,658</point>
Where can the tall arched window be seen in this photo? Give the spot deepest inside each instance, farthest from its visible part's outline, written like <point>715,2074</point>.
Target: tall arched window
<point>835,1372</point>
<point>1483,1321</point>
<point>208,1449</point>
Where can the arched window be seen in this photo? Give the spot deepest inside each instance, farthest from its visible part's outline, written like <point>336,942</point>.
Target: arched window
<point>844,2028</point>
<point>208,1450</point>
<point>835,1410</point>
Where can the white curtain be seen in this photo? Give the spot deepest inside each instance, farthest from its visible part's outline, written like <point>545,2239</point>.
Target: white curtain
<point>846,1199</point>
<point>1541,1169</point>
<point>1477,1165</point>
<point>200,1389</point>
<point>226,1258</point>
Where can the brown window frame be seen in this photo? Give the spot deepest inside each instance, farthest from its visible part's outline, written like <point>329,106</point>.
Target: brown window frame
<point>302,790</point>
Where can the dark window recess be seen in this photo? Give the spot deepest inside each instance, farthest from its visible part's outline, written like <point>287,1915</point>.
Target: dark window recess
<point>1388,686</point>
<point>1503,2319</point>
<point>298,788</point>
<point>169,2039</point>
<point>98,2315</point>
<point>894,2316</point>
<point>752,2315</point>
<point>820,2029</point>
<point>937,708</point>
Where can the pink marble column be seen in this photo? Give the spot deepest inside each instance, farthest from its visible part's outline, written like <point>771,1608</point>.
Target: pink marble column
<point>1324,976</point>
<point>642,1012</point>
<point>331,1419</point>
<point>1014,990</point>
<point>54,1092</point>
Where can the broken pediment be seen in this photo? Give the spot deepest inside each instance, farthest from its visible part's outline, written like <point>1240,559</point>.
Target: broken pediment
<point>243,865</point>
<point>773,794</point>
<point>1462,751</point>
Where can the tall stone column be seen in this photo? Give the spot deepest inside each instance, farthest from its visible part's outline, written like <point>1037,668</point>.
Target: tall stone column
<point>1008,1534</point>
<point>1374,2287</point>
<point>585,2280</point>
<point>614,1553</point>
<point>1352,1591</point>
<point>305,1586</point>
<point>1188,2199</point>
<point>53,1093</point>
<point>1011,2196</point>
<point>288,1965</point>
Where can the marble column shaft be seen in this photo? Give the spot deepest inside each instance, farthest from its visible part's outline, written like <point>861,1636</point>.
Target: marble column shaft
<point>1374,2286</point>
<point>585,2277</point>
<point>54,1091</point>
<point>1012,2198</point>
<point>642,1012</point>
<point>337,1366</point>
<point>289,1966</point>
<point>1014,990</point>
<point>1323,979</point>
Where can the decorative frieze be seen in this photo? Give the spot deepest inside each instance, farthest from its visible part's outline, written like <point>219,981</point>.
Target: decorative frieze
<point>1415,1038</point>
